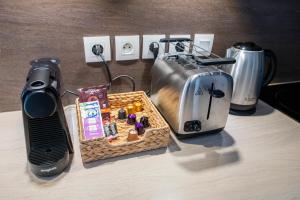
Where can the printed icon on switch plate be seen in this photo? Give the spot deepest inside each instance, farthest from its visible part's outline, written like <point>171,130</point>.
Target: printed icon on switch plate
<point>172,45</point>
<point>127,47</point>
<point>147,40</point>
<point>89,42</point>
<point>204,41</point>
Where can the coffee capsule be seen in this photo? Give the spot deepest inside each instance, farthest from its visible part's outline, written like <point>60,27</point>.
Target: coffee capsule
<point>131,119</point>
<point>130,109</point>
<point>138,106</point>
<point>139,127</point>
<point>145,121</point>
<point>122,114</point>
<point>132,135</point>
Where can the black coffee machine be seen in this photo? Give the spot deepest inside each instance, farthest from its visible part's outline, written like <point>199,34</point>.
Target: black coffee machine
<point>48,141</point>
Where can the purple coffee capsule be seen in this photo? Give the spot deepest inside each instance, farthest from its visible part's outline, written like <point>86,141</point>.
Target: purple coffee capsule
<point>145,121</point>
<point>139,127</point>
<point>131,119</point>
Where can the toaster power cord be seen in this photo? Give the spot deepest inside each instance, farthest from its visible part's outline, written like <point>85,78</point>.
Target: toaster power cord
<point>98,51</point>
<point>154,48</point>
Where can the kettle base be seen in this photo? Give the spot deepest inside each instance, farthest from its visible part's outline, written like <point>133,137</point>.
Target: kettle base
<point>242,110</point>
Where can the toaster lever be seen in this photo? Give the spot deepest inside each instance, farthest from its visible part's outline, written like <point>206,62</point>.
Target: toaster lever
<point>210,99</point>
<point>215,61</point>
<point>217,93</point>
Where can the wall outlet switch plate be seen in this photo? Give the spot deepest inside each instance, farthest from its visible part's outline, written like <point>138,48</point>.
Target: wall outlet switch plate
<point>127,47</point>
<point>89,42</point>
<point>147,40</point>
<point>204,41</point>
<point>172,45</point>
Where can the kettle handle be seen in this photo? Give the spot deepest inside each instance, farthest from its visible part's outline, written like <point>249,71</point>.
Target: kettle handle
<point>271,68</point>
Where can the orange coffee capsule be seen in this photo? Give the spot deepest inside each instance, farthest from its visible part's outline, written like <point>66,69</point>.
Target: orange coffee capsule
<point>130,109</point>
<point>138,106</point>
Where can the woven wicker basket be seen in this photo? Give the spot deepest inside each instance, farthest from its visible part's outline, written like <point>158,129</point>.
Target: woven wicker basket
<point>156,136</point>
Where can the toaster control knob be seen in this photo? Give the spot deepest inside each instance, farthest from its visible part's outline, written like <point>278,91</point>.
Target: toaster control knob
<point>192,126</point>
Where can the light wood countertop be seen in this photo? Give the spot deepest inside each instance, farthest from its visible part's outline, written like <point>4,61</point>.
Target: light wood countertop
<point>255,157</point>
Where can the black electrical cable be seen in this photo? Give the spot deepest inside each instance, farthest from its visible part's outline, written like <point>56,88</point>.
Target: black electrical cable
<point>107,69</point>
<point>154,48</point>
<point>98,50</point>
<point>148,93</point>
<point>126,76</point>
<point>110,79</point>
<point>69,92</point>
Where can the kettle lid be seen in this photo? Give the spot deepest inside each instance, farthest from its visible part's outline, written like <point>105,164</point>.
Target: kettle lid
<point>249,46</point>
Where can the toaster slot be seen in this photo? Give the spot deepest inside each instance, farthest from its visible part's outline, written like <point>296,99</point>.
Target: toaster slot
<point>214,61</point>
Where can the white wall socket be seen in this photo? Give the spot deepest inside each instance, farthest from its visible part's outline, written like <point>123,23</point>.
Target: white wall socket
<point>89,42</point>
<point>204,41</point>
<point>127,47</point>
<point>172,45</point>
<point>147,40</point>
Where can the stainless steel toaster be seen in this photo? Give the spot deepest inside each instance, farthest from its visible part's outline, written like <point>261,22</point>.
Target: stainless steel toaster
<point>190,91</point>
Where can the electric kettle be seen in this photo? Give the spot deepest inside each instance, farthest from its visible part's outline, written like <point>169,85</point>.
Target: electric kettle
<point>255,68</point>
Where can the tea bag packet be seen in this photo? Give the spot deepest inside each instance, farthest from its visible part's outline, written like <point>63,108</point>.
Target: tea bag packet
<point>91,120</point>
